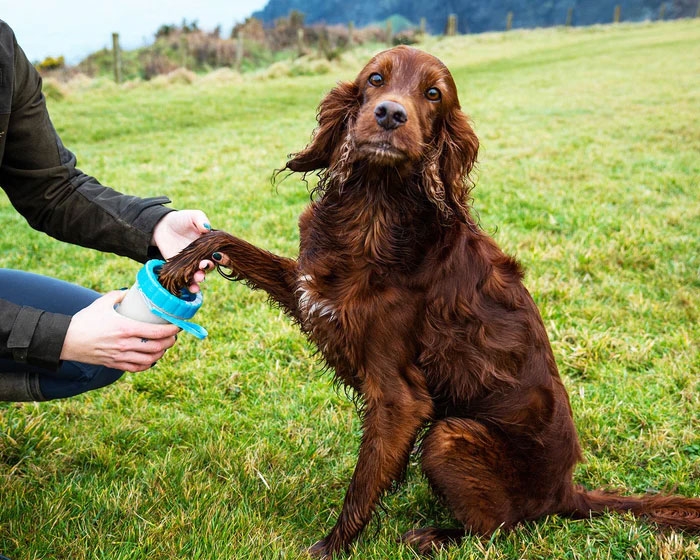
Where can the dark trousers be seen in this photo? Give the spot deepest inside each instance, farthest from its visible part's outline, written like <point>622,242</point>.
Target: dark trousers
<point>24,382</point>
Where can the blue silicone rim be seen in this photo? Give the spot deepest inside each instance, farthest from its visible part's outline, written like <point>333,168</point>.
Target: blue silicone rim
<point>170,307</point>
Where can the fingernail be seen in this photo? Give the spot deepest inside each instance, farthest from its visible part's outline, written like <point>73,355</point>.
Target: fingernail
<point>207,227</point>
<point>217,256</point>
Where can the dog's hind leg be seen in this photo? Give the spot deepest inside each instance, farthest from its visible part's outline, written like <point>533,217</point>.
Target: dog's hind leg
<point>471,470</point>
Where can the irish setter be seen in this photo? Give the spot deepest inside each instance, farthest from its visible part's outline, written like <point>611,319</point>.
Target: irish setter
<point>423,315</point>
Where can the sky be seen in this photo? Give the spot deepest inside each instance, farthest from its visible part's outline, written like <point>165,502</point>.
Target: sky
<point>76,28</point>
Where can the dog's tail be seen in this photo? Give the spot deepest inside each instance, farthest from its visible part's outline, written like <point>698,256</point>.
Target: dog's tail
<point>675,512</point>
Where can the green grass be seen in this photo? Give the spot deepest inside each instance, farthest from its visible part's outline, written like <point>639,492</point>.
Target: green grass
<point>238,447</point>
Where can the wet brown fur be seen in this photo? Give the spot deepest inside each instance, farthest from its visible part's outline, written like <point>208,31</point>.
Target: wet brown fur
<point>421,313</point>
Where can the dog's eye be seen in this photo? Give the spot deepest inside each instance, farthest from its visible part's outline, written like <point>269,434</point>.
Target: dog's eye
<point>376,79</point>
<point>433,94</point>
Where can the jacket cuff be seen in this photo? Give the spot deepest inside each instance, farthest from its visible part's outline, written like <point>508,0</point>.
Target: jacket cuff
<point>146,223</point>
<point>37,337</point>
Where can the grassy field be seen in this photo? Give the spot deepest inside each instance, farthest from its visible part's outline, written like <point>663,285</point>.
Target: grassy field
<point>238,446</point>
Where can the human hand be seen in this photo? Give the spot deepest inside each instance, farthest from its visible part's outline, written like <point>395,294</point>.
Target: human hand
<point>99,335</point>
<point>175,231</point>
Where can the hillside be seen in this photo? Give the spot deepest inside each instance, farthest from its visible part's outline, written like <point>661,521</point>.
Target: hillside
<point>475,16</point>
<point>273,34</point>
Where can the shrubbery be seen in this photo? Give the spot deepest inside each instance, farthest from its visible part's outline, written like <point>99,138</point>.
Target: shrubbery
<point>250,46</point>
<point>51,63</point>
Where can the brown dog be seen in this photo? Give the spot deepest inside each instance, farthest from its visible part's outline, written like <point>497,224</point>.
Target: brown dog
<point>421,313</point>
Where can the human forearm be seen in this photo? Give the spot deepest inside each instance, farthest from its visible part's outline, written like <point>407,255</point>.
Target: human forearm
<point>40,176</point>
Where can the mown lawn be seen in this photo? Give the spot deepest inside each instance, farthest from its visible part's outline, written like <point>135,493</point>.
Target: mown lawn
<point>239,447</point>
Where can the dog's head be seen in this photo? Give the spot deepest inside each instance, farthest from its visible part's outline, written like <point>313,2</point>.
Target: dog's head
<point>401,112</point>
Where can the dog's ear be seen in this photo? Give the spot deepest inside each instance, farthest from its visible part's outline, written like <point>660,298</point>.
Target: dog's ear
<point>335,112</point>
<point>447,168</point>
<point>461,148</point>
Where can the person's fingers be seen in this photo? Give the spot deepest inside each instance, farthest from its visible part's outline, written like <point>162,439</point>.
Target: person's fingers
<point>193,288</point>
<point>112,298</point>
<point>151,347</point>
<point>133,362</point>
<point>200,276</point>
<point>205,226</point>
<point>143,354</point>
<point>151,331</point>
<point>201,221</point>
<point>135,367</point>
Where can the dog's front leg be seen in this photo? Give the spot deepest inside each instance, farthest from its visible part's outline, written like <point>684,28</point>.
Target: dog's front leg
<point>392,417</point>
<point>259,269</point>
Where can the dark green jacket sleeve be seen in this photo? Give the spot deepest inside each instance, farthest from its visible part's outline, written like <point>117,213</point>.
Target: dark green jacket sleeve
<point>40,177</point>
<point>30,335</point>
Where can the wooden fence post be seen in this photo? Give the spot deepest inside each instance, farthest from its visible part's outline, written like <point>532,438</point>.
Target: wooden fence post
<point>183,51</point>
<point>324,46</point>
<point>662,11</point>
<point>423,25</point>
<point>509,21</point>
<point>300,41</point>
<point>117,58</point>
<point>389,32</point>
<point>239,50</point>
<point>569,16</point>
<point>451,25</point>
<point>616,15</point>
<point>351,32</point>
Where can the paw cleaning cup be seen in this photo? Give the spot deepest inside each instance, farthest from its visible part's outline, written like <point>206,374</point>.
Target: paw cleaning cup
<point>148,301</point>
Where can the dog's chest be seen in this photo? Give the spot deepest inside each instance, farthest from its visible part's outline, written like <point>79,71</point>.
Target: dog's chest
<point>354,284</point>
<point>315,307</point>
<point>340,315</point>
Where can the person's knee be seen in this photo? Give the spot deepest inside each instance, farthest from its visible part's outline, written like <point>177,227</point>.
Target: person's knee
<point>44,292</point>
<point>92,377</point>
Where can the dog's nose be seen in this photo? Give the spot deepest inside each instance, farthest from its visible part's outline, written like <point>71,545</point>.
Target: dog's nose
<point>390,115</point>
